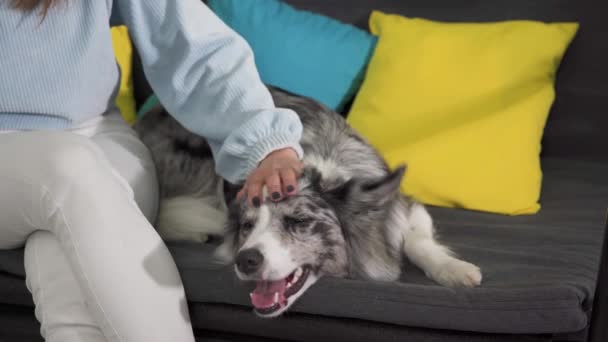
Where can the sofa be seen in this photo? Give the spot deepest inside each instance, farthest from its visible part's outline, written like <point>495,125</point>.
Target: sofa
<point>544,275</point>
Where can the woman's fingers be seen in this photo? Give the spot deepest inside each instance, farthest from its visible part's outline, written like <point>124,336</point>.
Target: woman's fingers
<point>254,191</point>
<point>289,179</point>
<point>273,184</point>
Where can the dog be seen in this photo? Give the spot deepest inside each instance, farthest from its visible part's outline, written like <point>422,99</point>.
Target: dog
<point>348,219</point>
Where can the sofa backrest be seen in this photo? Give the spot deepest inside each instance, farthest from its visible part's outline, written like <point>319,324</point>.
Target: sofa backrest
<point>578,121</point>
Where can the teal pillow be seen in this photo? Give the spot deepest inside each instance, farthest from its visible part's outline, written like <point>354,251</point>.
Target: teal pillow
<point>150,103</point>
<point>301,52</point>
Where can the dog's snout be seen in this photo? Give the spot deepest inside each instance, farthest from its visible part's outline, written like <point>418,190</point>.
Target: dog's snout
<point>248,261</point>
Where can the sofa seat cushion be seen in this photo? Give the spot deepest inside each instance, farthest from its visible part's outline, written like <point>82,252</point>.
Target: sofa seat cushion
<point>539,270</point>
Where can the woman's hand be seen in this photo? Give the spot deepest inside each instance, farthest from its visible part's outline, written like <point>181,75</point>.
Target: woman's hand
<point>279,171</point>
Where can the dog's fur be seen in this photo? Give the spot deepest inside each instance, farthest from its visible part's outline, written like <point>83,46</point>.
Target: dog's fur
<point>347,220</point>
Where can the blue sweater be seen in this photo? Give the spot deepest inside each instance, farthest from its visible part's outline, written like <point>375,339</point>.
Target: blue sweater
<point>59,72</point>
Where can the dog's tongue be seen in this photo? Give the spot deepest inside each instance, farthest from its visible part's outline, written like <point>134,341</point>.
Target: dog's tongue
<point>264,294</point>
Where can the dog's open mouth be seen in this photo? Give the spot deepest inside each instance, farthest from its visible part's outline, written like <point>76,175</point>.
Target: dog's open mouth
<point>270,296</point>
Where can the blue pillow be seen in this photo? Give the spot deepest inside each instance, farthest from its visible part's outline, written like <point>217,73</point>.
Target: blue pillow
<point>301,52</point>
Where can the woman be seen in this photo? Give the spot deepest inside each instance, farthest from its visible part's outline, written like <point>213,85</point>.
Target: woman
<point>76,185</point>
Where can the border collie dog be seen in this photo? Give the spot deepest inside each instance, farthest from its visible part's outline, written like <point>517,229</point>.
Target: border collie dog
<point>348,218</point>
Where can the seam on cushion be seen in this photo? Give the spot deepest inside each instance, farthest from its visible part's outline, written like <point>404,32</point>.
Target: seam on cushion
<point>477,309</point>
<point>563,299</point>
<point>566,305</point>
<point>446,307</point>
<point>342,289</point>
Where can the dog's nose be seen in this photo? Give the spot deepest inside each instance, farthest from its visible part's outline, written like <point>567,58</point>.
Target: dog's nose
<point>248,261</point>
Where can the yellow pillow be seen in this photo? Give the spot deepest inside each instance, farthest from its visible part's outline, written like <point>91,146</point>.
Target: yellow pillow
<point>464,105</point>
<point>123,50</point>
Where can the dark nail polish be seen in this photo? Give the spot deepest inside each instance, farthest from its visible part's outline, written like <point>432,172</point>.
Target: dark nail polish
<point>276,195</point>
<point>290,188</point>
<point>256,202</point>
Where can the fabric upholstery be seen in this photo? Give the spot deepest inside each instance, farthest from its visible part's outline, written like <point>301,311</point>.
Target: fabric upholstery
<point>539,270</point>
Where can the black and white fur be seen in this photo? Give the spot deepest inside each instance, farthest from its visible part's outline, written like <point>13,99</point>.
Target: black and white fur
<point>348,219</point>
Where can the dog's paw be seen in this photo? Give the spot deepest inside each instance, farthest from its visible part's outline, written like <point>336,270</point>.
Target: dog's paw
<point>224,253</point>
<point>457,273</point>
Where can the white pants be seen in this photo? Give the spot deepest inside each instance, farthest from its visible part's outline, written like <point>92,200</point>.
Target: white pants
<point>82,201</point>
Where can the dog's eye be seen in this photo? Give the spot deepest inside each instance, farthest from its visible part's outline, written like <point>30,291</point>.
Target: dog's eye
<point>246,227</point>
<point>290,222</point>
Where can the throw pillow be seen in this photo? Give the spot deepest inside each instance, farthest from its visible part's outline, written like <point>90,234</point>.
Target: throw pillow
<point>123,51</point>
<point>302,52</point>
<point>464,105</point>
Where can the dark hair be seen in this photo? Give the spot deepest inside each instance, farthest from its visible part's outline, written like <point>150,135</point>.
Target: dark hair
<point>30,5</point>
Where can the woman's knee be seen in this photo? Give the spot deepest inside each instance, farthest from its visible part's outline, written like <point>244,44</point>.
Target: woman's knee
<point>39,239</point>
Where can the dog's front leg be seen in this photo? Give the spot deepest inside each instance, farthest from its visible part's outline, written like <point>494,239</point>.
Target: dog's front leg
<point>438,263</point>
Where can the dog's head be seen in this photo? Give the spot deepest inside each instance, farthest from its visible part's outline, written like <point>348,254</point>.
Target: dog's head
<point>285,247</point>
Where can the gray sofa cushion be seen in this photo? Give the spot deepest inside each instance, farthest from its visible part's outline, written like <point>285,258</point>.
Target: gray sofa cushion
<point>539,270</point>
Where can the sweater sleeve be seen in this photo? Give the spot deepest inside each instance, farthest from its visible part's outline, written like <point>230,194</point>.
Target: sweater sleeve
<point>205,76</point>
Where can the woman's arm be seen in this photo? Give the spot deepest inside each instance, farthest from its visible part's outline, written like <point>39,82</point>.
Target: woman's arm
<point>204,74</point>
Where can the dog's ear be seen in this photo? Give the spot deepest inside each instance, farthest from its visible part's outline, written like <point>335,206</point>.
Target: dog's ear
<point>313,176</point>
<point>382,190</point>
<point>230,192</point>
<point>357,193</point>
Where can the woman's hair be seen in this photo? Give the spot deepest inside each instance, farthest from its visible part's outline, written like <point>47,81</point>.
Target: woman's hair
<point>30,5</point>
